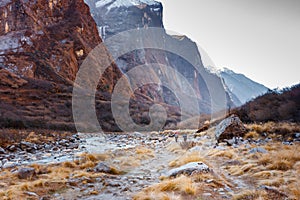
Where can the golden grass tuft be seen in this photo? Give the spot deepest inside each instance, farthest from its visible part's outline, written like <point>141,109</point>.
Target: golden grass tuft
<point>144,153</point>
<point>252,134</point>
<point>272,182</point>
<point>156,196</point>
<point>250,195</point>
<point>282,159</point>
<point>181,185</point>
<point>94,192</point>
<point>187,158</point>
<point>228,154</point>
<point>69,164</point>
<point>88,164</point>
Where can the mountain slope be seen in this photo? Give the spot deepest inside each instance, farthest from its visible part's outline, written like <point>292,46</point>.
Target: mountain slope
<point>243,88</point>
<point>272,106</point>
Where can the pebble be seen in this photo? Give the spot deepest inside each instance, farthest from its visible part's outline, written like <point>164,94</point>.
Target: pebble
<point>2,151</point>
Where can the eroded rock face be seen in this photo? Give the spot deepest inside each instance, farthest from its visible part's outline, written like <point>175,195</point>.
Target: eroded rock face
<point>46,39</point>
<point>229,128</point>
<point>10,79</point>
<point>42,45</point>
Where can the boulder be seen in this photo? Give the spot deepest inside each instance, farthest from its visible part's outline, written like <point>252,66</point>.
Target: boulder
<point>25,173</point>
<point>229,128</point>
<point>189,169</point>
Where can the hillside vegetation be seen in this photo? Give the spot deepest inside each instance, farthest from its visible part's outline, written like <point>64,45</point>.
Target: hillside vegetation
<point>273,106</point>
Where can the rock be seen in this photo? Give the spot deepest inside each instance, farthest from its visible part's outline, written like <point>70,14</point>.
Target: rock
<point>13,148</point>
<point>63,142</point>
<point>31,194</point>
<point>258,150</point>
<point>9,164</point>
<point>221,148</point>
<point>287,143</point>
<point>2,151</point>
<point>28,146</point>
<point>204,127</point>
<point>206,194</point>
<point>229,128</point>
<point>26,173</point>
<point>102,167</point>
<point>209,181</point>
<point>188,169</point>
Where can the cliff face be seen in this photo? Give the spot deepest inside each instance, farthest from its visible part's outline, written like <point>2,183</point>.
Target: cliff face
<point>115,16</point>
<point>242,87</point>
<point>46,39</point>
<point>42,45</point>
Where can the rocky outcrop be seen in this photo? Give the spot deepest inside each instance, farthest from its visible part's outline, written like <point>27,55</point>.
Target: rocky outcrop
<point>229,128</point>
<point>46,40</point>
<point>42,45</point>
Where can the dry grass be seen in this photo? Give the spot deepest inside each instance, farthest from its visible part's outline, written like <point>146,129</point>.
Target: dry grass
<point>144,153</point>
<point>251,195</point>
<point>282,159</point>
<point>187,158</point>
<point>275,127</point>
<point>228,153</point>
<point>50,179</point>
<point>181,185</point>
<point>252,134</point>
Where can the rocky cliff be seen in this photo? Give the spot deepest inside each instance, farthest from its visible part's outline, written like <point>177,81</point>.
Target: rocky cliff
<point>116,16</point>
<point>42,45</point>
<point>46,39</point>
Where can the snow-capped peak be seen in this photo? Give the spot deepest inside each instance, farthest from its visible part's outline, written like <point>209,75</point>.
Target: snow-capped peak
<point>123,3</point>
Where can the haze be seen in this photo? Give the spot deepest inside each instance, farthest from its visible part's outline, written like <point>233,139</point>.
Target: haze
<point>259,38</point>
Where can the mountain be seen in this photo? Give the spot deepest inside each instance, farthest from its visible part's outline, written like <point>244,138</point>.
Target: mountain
<point>273,106</point>
<point>113,17</point>
<point>241,88</point>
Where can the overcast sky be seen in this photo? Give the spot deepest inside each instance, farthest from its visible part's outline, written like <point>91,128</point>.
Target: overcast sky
<point>259,38</point>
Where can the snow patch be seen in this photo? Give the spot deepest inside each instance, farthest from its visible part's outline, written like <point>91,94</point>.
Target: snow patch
<point>123,3</point>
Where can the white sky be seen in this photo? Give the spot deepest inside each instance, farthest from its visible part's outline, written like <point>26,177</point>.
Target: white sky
<point>259,38</point>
